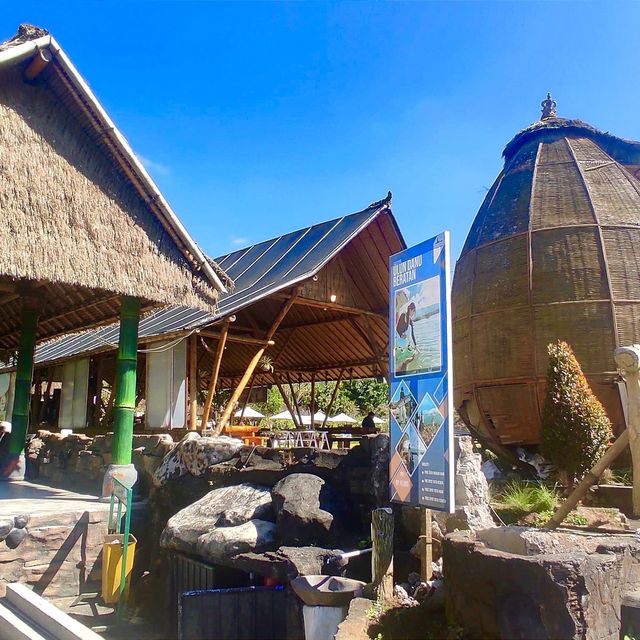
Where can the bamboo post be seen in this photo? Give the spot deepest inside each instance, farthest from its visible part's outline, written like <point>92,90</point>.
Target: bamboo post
<point>628,361</point>
<point>590,478</point>
<point>426,555</point>
<point>215,372</point>
<point>24,375</point>
<point>382,553</point>
<point>125,381</point>
<point>193,382</point>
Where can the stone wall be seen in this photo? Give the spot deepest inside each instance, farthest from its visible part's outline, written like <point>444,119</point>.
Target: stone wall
<point>557,587</point>
<point>78,461</point>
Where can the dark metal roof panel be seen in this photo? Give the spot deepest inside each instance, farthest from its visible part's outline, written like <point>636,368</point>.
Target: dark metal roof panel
<point>257,271</point>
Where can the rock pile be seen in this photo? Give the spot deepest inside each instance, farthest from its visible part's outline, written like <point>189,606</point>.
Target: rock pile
<point>13,530</point>
<point>237,525</point>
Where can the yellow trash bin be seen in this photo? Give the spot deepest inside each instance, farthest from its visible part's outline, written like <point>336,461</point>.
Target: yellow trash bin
<point>112,553</point>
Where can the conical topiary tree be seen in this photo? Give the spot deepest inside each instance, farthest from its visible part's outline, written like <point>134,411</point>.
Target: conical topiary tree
<point>575,427</point>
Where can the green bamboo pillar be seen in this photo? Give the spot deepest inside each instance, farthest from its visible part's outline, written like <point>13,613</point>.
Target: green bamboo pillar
<point>24,376</point>
<point>125,382</point>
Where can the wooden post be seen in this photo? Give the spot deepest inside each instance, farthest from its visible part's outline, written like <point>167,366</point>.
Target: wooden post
<point>312,407</point>
<point>426,555</point>
<point>36,397</point>
<point>224,419</point>
<point>294,400</point>
<point>95,417</point>
<point>628,361</point>
<point>590,478</point>
<point>125,381</point>
<point>333,398</point>
<point>193,382</point>
<point>288,404</point>
<point>215,371</point>
<point>382,553</point>
<point>237,392</point>
<point>246,400</point>
<point>24,375</point>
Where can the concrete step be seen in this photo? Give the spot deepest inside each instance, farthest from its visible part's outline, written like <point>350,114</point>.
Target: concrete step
<point>55,623</point>
<point>12,627</point>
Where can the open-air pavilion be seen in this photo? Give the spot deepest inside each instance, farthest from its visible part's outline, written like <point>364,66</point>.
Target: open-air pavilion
<point>308,306</point>
<point>86,235</point>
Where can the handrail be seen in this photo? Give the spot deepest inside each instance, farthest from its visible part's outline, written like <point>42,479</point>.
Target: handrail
<point>123,494</point>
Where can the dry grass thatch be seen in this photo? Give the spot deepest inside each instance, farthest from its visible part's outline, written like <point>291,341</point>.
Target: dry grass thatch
<point>69,215</point>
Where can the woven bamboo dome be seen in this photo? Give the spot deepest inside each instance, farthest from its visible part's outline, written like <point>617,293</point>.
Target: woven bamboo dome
<point>553,253</point>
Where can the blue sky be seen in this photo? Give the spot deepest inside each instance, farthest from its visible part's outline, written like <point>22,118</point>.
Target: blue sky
<point>259,118</point>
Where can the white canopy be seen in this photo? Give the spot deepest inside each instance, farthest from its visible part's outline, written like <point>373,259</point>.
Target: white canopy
<point>342,418</point>
<point>378,420</point>
<point>306,419</point>
<point>249,414</point>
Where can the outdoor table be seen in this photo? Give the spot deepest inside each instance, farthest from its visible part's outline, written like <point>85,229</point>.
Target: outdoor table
<point>344,440</point>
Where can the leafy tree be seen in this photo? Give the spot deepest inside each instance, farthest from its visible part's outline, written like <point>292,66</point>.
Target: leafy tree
<point>368,395</point>
<point>575,427</point>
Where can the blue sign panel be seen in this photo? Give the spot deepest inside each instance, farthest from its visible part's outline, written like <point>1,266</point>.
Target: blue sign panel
<point>421,406</point>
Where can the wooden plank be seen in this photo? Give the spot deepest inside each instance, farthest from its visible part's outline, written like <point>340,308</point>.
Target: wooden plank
<point>382,553</point>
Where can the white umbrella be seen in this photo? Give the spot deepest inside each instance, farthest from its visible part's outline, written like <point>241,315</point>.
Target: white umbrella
<point>378,420</point>
<point>283,415</point>
<point>342,418</point>
<point>318,418</point>
<point>249,414</point>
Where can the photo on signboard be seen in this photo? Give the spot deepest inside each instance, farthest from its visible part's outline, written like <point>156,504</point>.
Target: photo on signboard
<point>417,328</point>
<point>410,449</point>
<point>427,419</point>
<point>402,405</point>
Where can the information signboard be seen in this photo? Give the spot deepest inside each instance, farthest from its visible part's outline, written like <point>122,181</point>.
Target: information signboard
<point>421,405</point>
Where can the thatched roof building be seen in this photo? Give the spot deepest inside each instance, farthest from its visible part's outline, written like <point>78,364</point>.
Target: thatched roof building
<point>82,221</point>
<point>553,253</point>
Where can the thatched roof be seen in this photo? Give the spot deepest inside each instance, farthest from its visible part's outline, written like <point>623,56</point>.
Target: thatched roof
<point>82,219</point>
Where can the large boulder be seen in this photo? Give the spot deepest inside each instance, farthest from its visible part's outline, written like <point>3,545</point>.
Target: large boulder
<point>194,455</point>
<point>224,507</point>
<point>301,502</point>
<point>226,542</point>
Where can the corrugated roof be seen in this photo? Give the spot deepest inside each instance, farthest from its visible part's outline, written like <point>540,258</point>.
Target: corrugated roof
<point>258,271</point>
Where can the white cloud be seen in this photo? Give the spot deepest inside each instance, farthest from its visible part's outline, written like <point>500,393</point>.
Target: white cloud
<point>154,167</point>
<point>238,241</point>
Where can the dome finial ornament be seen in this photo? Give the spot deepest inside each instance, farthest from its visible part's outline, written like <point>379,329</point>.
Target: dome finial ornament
<point>548,107</point>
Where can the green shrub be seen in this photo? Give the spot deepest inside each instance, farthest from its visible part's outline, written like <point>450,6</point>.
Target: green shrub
<point>526,497</point>
<point>575,427</point>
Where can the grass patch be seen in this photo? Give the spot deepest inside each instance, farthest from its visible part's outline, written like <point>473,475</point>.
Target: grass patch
<point>526,497</point>
<point>575,519</point>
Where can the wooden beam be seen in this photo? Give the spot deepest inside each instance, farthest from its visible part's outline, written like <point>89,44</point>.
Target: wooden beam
<point>224,419</point>
<point>246,400</point>
<point>215,372</point>
<point>193,382</point>
<point>375,347</point>
<point>334,306</point>
<point>382,553</point>
<point>95,417</point>
<point>260,342</point>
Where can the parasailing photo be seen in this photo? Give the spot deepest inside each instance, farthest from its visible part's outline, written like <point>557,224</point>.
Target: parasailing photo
<point>417,345</point>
